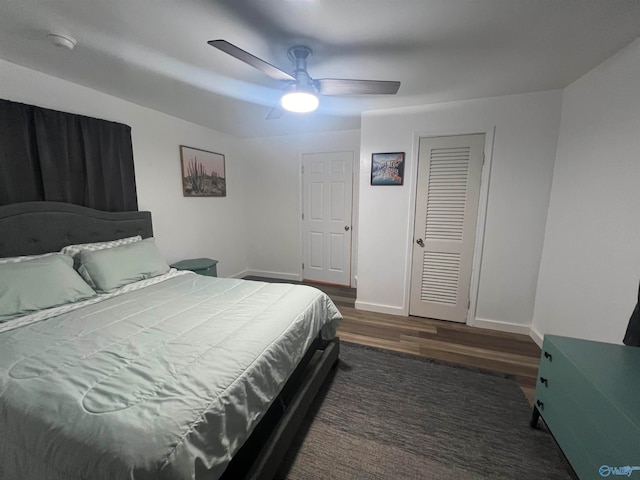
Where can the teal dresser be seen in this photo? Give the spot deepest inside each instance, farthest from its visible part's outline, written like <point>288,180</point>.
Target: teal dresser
<point>588,394</point>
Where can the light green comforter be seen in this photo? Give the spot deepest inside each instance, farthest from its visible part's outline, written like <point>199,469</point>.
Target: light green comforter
<point>166,382</point>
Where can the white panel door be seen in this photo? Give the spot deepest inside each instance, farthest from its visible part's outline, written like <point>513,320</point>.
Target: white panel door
<point>449,170</point>
<point>327,180</point>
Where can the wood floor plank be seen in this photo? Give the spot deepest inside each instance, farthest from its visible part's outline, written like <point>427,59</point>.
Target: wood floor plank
<point>373,330</point>
<point>529,392</point>
<point>380,343</point>
<point>516,346</point>
<point>478,362</point>
<point>456,343</point>
<point>412,323</point>
<point>413,330</point>
<point>476,351</point>
<point>527,381</point>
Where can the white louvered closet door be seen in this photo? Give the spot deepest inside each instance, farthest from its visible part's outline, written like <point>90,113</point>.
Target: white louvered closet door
<point>449,170</point>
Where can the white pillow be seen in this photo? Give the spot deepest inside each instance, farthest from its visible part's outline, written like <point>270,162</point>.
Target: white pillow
<point>75,250</point>
<point>24,258</point>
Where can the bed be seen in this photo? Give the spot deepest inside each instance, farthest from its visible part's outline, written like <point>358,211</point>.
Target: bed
<point>174,376</point>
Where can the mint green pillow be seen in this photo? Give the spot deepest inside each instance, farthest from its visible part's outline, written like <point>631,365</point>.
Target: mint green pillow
<point>44,282</point>
<point>74,250</point>
<point>108,269</point>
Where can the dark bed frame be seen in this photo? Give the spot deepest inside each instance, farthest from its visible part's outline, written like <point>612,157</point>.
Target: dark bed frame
<point>31,228</point>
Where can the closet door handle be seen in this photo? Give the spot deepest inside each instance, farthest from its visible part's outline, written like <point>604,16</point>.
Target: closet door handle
<point>549,356</point>
<point>544,381</point>
<point>420,242</point>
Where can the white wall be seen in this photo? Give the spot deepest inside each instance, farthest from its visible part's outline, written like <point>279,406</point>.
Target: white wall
<point>526,130</point>
<point>590,267</point>
<point>274,198</point>
<point>183,227</point>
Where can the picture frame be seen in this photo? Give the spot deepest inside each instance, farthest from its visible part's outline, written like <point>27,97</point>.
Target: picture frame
<point>203,173</point>
<point>387,168</point>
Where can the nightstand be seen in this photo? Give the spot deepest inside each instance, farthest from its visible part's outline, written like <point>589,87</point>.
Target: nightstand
<point>201,266</point>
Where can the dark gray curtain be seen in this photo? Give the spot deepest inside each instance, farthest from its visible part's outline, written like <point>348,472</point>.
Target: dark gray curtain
<point>58,156</point>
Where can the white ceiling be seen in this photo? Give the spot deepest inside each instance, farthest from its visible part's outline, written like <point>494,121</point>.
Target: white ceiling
<point>154,52</point>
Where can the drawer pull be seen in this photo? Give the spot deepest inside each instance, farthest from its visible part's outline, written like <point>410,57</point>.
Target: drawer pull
<point>549,356</point>
<point>545,381</point>
<point>540,404</point>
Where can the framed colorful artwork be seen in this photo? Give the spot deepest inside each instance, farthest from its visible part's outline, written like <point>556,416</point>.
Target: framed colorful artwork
<point>387,168</point>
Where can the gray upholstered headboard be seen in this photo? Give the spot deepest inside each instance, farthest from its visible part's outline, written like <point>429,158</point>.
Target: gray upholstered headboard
<point>30,228</point>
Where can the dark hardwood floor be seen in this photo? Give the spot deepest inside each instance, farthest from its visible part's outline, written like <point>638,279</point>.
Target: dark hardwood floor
<point>450,342</point>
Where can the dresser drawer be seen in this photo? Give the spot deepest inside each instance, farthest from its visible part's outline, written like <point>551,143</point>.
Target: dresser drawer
<point>554,407</point>
<point>579,434</point>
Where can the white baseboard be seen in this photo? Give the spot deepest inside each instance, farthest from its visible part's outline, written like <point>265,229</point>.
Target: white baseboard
<point>376,307</point>
<point>293,277</point>
<point>536,336</point>
<point>241,274</point>
<point>501,326</point>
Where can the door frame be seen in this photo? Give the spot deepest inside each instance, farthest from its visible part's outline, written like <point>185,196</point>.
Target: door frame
<point>485,176</point>
<point>355,188</point>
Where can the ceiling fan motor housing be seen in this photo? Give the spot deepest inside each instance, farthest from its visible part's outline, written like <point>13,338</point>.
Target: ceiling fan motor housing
<point>299,56</point>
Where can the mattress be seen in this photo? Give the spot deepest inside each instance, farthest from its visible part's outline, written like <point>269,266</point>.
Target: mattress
<point>163,382</point>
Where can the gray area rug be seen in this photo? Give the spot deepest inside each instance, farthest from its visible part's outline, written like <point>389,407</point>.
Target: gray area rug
<point>390,416</point>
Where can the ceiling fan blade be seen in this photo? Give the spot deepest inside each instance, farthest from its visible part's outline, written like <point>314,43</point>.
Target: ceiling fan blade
<point>246,57</point>
<point>276,112</point>
<point>343,86</point>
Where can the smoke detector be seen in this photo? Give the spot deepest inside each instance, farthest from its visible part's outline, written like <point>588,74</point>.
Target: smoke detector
<point>60,40</point>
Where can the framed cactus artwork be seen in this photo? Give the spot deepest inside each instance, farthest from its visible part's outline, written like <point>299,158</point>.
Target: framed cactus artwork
<point>202,173</point>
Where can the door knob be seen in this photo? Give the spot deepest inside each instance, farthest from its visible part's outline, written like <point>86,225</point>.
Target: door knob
<point>420,242</point>
<point>346,228</point>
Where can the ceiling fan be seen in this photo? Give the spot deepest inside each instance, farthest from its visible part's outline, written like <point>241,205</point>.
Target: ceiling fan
<point>302,90</point>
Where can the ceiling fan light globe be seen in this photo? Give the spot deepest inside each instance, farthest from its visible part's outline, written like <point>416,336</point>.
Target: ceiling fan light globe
<point>299,102</point>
